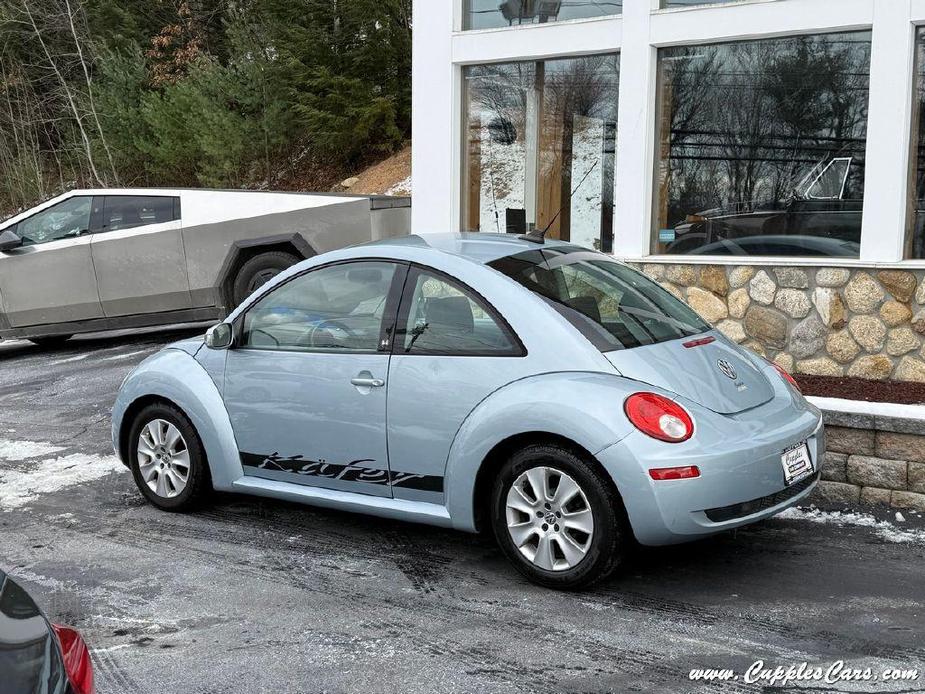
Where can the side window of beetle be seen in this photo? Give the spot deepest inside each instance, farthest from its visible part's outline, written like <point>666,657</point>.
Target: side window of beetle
<point>444,317</point>
<point>338,308</point>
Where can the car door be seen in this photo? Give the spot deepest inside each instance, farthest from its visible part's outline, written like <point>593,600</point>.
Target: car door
<point>305,385</point>
<point>50,278</point>
<point>451,351</point>
<point>139,257</point>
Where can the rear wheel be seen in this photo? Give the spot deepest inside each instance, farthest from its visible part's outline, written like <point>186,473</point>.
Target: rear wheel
<point>167,459</point>
<point>557,518</point>
<point>50,340</point>
<point>259,270</point>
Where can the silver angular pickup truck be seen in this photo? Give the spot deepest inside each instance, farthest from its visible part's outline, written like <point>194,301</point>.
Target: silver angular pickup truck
<point>93,260</point>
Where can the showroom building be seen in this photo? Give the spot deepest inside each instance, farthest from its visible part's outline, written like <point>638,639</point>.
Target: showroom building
<point>762,159</point>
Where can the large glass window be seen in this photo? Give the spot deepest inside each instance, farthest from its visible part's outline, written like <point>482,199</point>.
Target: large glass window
<point>915,245</point>
<point>761,146</point>
<point>689,3</point>
<point>541,148</point>
<point>338,308</point>
<point>492,14</point>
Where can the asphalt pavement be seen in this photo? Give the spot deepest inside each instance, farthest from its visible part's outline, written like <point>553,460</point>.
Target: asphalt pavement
<point>252,595</point>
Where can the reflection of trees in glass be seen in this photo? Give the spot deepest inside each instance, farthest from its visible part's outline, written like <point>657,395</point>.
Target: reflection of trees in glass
<point>486,14</point>
<point>498,96</point>
<point>749,120</point>
<point>534,131</point>
<point>575,152</point>
<point>916,242</point>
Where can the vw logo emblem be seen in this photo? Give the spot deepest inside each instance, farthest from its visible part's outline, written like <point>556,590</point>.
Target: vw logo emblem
<point>727,369</point>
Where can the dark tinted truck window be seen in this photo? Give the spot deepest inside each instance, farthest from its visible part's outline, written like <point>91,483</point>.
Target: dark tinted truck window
<point>129,211</point>
<point>612,305</point>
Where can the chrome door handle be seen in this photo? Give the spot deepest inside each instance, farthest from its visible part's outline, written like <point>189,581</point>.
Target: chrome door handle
<point>367,382</point>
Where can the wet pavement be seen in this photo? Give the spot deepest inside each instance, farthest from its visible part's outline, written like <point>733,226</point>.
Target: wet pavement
<point>252,595</point>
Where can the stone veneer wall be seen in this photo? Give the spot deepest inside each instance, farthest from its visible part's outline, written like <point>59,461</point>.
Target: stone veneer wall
<point>872,460</point>
<point>821,321</point>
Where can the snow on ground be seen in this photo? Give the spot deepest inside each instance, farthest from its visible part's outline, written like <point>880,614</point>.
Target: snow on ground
<point>68,360</point>
<point>400,188</point>
<point>883,409</point>
<point>21,487</point>
<point>886,530</point>
<point>127,355</point>
<point>20,450</point>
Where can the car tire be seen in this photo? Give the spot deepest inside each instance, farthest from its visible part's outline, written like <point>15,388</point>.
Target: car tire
<point>578,558</point>
<point>169,465</point>
<point>258,271</point>
<point>50,340</point>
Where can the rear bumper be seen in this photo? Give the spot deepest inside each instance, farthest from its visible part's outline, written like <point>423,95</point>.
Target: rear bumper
<point>742,479</point>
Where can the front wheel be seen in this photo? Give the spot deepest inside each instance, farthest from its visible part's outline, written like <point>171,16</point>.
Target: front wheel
<point>167,459</point>
<point>557,518</point>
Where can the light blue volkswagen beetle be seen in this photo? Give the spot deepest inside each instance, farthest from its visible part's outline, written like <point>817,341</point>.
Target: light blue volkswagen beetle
<point>476,381</point>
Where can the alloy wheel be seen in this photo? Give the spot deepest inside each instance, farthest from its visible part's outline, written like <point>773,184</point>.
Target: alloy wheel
<point>163,458</point>
<point>549,519</point>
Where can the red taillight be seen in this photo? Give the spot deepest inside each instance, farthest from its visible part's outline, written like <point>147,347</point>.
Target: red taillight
<point>659,417</point>
<point>675,473</point>
<point>76,659</point>
<point>790,379</point>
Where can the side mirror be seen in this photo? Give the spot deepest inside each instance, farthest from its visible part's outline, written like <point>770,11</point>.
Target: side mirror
<point>219,336</point>
<point>9,240</point>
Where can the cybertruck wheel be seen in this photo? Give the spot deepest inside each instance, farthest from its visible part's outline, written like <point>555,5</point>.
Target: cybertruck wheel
<point>259,270</point>
<point>558,520</point>
<point>167,459</point>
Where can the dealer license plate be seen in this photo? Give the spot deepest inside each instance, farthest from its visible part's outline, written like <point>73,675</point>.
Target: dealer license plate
<point>797,463</point>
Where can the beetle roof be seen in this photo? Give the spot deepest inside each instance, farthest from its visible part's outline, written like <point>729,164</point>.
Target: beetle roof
<point>479,247</point>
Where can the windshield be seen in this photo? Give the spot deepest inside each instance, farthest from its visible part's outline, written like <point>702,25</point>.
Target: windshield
<point>612,305</point>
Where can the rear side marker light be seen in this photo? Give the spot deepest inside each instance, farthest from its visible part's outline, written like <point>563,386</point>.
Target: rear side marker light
<point>675,473</point>
<point>76,659</point>
<point>699,343</point>
<point>657,416</point>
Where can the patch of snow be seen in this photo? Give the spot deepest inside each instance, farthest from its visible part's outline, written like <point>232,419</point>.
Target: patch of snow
<point>22,487</point>
<point>126,355</point>
<point>884,529</point>
<point>900,518</point>
<point>883,409</point>
<point>71,359</point>
<point>109,649</point>
<point>400,188</point>
<point>20,450</point>
<point>22,573</point>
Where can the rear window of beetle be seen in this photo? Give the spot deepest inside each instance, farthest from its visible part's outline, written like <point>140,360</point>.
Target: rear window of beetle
<point>612,305</point>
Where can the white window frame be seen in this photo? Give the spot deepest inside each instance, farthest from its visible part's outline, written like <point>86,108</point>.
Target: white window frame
<point>441,50</point>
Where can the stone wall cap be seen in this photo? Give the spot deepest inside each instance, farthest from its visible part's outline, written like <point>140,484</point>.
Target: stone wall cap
<point>859,414</point>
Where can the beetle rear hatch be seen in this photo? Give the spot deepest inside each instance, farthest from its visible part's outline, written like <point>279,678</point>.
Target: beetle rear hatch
<point>713,374</point>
